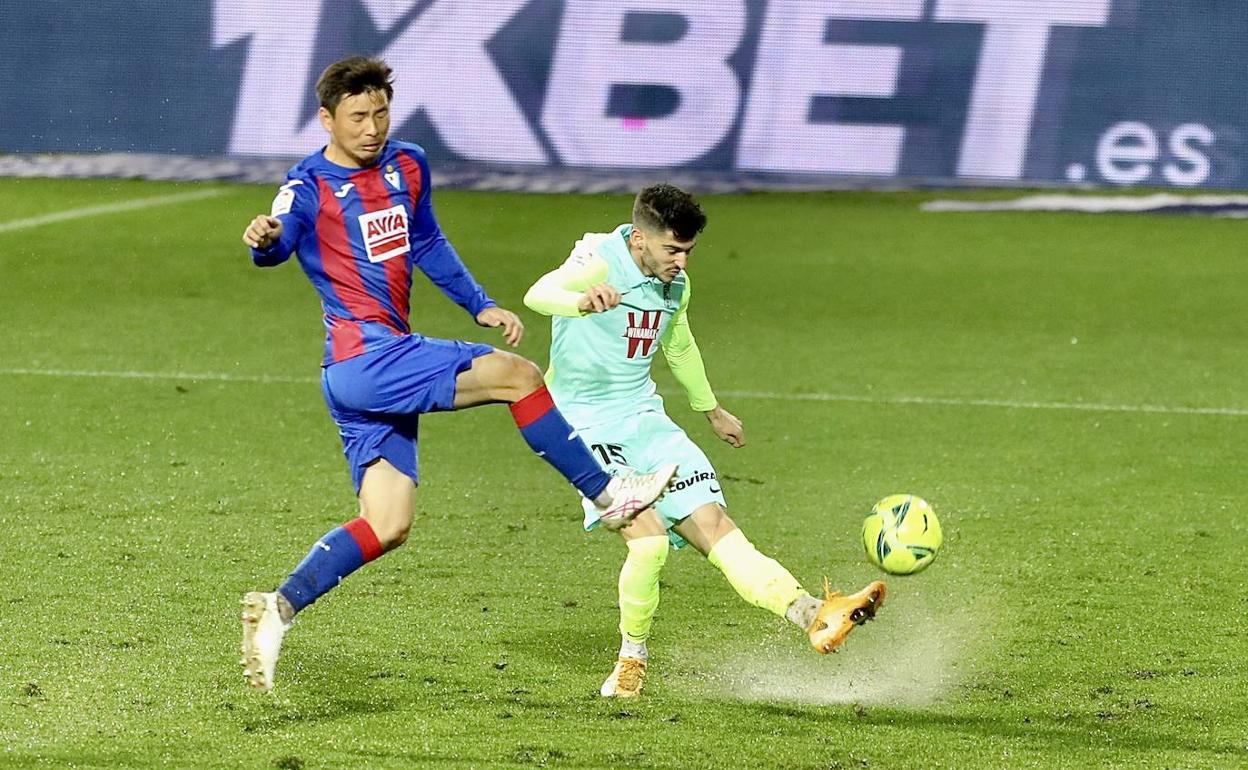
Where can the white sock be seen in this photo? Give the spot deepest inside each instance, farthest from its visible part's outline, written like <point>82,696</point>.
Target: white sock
<point>607,496</point>
<point>631,649</point>
<point>801,612</point>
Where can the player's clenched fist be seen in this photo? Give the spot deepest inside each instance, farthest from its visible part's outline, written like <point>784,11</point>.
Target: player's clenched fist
<point>263,232</point>
<point>599,298</point>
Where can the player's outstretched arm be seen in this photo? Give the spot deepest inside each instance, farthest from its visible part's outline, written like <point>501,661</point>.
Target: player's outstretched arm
<point>576,288</point>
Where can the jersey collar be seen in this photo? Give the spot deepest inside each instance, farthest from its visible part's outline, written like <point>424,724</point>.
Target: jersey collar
<point>383,157</point>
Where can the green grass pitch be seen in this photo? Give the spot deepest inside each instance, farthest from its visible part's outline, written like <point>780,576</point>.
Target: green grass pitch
<point>1067,390</point>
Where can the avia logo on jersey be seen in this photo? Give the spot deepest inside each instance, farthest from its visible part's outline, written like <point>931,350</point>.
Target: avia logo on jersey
<point>385,233</point>
<point>642,331</point>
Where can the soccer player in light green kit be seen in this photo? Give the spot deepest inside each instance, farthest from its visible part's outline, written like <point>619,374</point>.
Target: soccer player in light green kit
<point>618,299</point>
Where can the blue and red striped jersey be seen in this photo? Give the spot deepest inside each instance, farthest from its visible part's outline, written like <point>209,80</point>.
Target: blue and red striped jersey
<point>358,232</point>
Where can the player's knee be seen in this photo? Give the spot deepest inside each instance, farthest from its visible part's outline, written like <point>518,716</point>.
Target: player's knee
<point>397,535</point>
<point>706,526</point>
<point>645,524</point>
<point>527,377</point>
<point>721,518</point>
<point>391,531</point>
<point>521,378</point>
<point>389,513</point>
<point>722,524</point>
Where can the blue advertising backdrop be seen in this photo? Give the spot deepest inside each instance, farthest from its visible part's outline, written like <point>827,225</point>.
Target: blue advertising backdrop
<point>1118,92</point>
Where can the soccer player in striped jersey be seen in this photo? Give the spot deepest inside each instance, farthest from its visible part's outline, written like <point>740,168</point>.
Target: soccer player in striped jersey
<point>618,299</point>
<point>359,216</point>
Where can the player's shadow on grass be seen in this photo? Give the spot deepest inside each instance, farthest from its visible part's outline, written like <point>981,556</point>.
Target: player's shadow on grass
<point>321,686</point>
<point>1073,731</point>
<point>279,714</point>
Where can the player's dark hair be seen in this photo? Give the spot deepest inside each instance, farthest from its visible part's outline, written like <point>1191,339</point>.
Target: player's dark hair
<point>662,207</point>
<point>353,75</point>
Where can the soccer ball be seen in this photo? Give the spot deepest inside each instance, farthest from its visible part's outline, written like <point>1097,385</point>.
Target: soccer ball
<point>901,535</point>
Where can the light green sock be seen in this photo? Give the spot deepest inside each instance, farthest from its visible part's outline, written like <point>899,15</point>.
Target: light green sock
<point>760,580</point>
<point>639,586</point>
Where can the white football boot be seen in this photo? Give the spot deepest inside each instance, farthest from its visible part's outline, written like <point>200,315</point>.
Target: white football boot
<point>625,680</point>
<point>630,495</point>
<point>263,630</point>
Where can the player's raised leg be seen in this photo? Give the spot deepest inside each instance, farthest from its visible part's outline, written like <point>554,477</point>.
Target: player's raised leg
<point>507,378</point>
<point>647,542</point>
<point>386,498</point>
<point>764,582</point>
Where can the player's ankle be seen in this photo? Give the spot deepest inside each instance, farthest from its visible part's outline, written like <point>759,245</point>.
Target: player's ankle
<point>802,611</point>
<point>607,495</point>
<point>631,649</point>
<point>285,610</point>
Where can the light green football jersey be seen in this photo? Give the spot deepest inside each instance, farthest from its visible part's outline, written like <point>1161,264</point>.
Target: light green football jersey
<point>600,363</point>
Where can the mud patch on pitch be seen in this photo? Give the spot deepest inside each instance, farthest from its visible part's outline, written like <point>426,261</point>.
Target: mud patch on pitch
<point>911,657</point>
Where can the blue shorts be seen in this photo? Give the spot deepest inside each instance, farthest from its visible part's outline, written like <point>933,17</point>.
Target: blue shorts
<point>376,398</point>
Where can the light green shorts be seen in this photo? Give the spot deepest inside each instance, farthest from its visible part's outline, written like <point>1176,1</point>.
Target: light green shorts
<point>640,444</point>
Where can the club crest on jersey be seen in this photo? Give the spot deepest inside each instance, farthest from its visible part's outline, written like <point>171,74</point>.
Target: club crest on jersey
<point>385,233</point>
<point>642,331</point>
<point>392,177</point>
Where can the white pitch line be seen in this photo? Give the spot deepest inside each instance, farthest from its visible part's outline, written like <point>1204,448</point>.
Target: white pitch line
<point>109,208</point>
<point>1077,406</point>
<point>1065,406</point>
<point>132,375</point>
